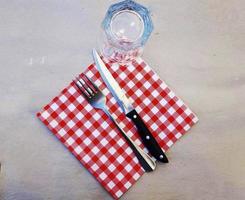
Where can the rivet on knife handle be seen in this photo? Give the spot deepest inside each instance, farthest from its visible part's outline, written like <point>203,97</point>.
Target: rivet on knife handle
<point>147,138</point>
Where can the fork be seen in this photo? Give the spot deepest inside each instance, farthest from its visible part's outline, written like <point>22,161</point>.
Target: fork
<point>98,100</point>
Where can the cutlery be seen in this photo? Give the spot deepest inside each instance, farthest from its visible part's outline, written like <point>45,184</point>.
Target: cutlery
<point>125,104</point>
<point>98,100</point>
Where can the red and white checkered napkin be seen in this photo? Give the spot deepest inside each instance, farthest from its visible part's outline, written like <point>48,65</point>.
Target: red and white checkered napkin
<point>93,138</point>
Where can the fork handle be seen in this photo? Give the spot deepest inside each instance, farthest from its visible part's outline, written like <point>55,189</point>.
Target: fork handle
<point>144,159</point>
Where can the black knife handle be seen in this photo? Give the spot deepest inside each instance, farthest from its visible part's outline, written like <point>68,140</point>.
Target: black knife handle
<point>147,138</point>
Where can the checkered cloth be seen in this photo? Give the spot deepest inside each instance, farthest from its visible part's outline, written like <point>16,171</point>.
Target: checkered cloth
<point>94,140</point>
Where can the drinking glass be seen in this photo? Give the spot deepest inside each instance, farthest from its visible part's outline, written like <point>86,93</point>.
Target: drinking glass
<point>125,30</point>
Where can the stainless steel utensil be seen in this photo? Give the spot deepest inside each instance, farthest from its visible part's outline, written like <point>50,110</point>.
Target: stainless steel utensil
<point>98,100</point>
<point>127,107</point>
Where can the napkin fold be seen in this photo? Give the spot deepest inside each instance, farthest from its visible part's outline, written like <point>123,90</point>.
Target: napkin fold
<point>94,140</point>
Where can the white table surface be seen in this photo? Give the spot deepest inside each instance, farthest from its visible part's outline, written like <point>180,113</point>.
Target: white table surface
<point>198,48</point>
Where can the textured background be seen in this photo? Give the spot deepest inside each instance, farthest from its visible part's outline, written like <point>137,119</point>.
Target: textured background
<point>197,47</point>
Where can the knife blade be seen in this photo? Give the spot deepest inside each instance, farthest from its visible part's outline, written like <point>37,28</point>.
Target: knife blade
<point>127,107</point>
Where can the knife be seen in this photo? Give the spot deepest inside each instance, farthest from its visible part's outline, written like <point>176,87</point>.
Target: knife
<point>125,104</point>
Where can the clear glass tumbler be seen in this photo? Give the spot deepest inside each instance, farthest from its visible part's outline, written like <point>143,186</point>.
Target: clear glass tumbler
<point>125,30</point>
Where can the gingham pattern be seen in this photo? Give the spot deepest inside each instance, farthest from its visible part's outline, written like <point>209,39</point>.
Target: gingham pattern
<point>94,140</point>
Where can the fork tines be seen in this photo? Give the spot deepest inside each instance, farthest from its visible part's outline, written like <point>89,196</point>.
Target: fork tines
<point>85,85</point>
